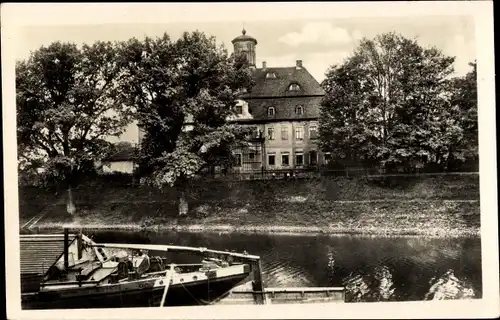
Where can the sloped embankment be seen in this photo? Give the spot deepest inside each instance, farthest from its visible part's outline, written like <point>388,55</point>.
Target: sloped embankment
<point>434,206</point>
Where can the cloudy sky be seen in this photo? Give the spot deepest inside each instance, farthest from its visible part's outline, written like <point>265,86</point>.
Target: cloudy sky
<point>319,43</point>
<point>305,33</point>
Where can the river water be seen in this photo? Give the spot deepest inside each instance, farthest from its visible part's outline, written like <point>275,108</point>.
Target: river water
<point>371,268</point>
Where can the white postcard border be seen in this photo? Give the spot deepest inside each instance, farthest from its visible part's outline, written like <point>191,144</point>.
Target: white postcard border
<point>38,14</point>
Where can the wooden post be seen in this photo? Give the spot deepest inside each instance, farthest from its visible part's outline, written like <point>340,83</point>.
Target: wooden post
<point>66,248</point>
<point>167,284</point>
<point>80,245</point>
<point>80,278</point>
<point>258,286</point>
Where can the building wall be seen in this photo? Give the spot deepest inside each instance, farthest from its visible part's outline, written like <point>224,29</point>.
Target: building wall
<point>140,135</point>
<point>243,114</point>
<point>277,146</point>
<point>252,156</point>
<point>248,48</point>
<point>130,134</point>
<point>292,146</point>
<point>119,166</point>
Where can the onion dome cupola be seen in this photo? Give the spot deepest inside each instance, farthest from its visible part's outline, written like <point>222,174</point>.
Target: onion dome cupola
<point>245,44</point>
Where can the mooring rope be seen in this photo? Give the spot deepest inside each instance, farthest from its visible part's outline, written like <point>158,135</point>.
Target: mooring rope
<point>219,298</point>
<point>194,298</point>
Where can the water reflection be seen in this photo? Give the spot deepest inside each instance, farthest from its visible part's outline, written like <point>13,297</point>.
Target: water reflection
<point>449,287</point>
<point>371,268</point>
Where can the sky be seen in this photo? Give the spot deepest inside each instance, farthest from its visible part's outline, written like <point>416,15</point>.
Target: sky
<point>319,41</point>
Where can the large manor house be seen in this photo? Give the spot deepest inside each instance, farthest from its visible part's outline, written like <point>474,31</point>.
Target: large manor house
<point>283,108</point>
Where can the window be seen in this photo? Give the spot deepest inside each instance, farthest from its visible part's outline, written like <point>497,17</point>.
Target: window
<point>254,134</point>
<point>299,133</point>
<point>299,159</point>
<point>271,159</point>
<point>313,158</point>
<point>270,111</point>
<point>237,161</point>
<point>251,156</point>
<point>238,109</point>
<point>313,132</point>
<point>284,133</point>
<point>270,75</point>
<point>270,133</point>
<point>294,87</point>
<point>425,158</point>
<point>299,110</point>
<point>328,157</point>
<point>258,133</point>
<point>285,160</point>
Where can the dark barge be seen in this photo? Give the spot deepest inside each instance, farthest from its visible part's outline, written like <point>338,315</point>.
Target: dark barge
<point>71,271</point>
<point>91,275</point>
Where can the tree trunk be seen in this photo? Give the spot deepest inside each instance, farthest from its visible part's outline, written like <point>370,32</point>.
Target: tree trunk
<point>183,204</point>
<point>70,205</point>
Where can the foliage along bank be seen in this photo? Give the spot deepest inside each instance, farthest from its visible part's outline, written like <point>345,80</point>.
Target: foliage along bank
<point>394,103</point>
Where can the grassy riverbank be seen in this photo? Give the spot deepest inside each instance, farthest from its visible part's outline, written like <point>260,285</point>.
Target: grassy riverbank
<point>432,206</point>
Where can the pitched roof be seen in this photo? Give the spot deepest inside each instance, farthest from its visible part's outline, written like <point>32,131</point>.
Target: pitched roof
<point>40,252</point>
<point>125,154</point>
<point>284,108</point>
<point>278,86</point>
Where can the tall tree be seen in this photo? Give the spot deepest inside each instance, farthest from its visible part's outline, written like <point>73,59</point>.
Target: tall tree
<point>464,112</point>
<point>393,93</point>
<point>171,81</point>
<point>348,127</point>
<point>68,102</point>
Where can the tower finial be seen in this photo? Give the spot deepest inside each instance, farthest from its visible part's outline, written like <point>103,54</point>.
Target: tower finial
<point>243,31</point>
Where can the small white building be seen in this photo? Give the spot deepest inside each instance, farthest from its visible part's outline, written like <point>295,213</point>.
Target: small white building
<point>123,161</point>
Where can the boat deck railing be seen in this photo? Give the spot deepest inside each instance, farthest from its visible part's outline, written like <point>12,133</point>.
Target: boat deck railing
<point>172,248</point>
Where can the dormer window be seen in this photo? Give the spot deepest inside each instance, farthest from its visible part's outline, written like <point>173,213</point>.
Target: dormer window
<point>299,110</point>
<point>294,87</point>
<point>270,111</point>
<point>270,75</point>
<point>238,109</point>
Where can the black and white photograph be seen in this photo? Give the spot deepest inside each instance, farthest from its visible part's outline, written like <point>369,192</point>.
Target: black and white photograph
<point>250,160</point>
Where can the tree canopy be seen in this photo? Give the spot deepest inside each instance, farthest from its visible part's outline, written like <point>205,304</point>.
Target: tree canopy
<point>391,103</point>
<point>464,107</point>
<point>172,82</point>
<point>68,102</point>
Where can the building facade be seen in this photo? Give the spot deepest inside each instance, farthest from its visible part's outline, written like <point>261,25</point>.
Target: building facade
<point>123,160</point>
<point>283,108</point>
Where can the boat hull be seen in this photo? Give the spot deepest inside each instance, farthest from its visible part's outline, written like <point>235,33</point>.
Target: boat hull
<point>136,296</point>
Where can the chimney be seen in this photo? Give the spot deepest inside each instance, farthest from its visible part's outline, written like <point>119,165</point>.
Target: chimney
<point>264,65</point>
<point>299,64</point>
